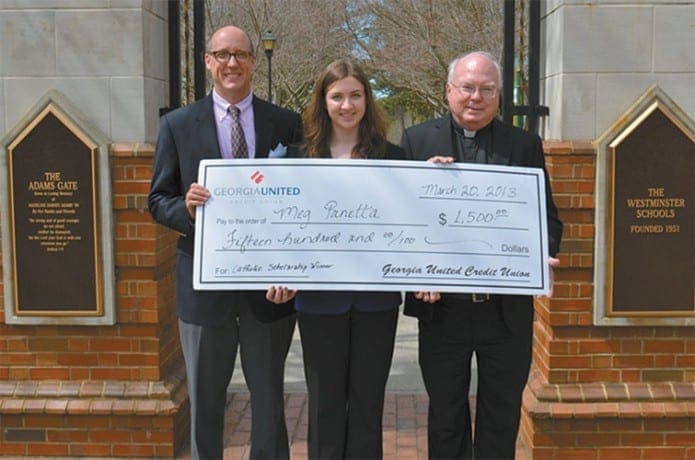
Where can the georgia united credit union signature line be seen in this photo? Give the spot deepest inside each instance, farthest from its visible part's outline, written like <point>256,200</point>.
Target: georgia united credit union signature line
<point>452,278</point>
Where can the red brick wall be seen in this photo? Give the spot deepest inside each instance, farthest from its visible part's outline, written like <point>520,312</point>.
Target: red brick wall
<point>601,392</point>
<point>104,390</point>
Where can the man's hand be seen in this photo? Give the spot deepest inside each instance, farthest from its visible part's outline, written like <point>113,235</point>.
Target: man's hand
<point>428,296</point>
<point>440,159</point>
<point>196,196</point>
<point>280,294</point>
<point>553,262</point>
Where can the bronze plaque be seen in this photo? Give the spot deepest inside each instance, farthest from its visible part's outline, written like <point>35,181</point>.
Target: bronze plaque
<point>653,242</point>
<point>54,225</point>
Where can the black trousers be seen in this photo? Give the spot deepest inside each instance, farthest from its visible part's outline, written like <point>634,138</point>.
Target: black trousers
<point>447,344</point>
<point>347,359</point>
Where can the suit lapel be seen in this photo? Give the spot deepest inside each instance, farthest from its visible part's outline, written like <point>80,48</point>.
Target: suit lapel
<point>501,144</point>
<point>264,127</point>
<point>443,139</point>
<point>207,128</point>
<point>447,139</point>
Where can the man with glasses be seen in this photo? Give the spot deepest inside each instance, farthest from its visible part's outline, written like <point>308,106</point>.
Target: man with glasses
<point>498,328</point>
<point>229,123</point>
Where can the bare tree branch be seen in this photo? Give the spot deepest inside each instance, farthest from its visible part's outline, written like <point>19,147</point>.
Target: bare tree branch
<point>405,45</point>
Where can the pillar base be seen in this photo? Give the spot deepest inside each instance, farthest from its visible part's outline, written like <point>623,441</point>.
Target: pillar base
<point>94,418</point>
<point>608,420</point>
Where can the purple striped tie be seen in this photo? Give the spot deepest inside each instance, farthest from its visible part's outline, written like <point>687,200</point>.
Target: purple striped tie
<point>238,141</point>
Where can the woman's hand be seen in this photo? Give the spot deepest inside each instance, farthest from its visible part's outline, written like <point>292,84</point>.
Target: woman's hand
<point>440,159</point>
<point>280,294</point>
<point>428,296</point>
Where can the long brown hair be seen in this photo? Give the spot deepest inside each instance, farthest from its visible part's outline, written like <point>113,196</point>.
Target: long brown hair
<point>371,141</point>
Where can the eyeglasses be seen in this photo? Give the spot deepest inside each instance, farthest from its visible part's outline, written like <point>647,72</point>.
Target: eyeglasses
<point>223,56</point>
<point>486,92</point>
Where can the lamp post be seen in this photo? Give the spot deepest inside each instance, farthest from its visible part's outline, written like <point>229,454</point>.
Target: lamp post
<point>269,39</point>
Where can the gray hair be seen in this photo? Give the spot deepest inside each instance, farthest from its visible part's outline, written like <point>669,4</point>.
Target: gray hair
<point>489,56</point>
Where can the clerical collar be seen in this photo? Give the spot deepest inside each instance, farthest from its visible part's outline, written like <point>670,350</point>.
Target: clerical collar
<point>469,132</point>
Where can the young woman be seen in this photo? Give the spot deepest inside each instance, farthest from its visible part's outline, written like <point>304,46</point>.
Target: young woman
<point>347,336</point>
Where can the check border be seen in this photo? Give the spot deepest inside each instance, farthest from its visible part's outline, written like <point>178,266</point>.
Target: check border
<point>296,169</point>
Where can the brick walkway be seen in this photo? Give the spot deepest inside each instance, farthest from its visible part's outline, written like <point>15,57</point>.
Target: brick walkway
<point>405,427</point>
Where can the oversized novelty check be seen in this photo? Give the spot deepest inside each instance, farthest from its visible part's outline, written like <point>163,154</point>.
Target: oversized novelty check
<point>371,225</point>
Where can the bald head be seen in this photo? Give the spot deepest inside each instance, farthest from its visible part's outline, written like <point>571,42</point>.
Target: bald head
<point>477,57</point>
<point>229,32</point>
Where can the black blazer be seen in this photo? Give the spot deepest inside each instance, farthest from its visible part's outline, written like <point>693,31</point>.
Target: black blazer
<point>186,136</point>
<point>510,146</point>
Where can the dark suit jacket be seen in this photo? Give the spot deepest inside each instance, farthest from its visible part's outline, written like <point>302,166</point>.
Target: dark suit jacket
<point>338,302</point>
<point>186,136</point>
<point>510,146</point>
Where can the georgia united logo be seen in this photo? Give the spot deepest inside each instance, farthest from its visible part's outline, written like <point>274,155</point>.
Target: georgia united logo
<point>257,177</point>
<point>261,191</point>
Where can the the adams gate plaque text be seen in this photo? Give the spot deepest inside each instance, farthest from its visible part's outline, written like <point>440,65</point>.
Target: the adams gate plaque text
<point>54,220</point>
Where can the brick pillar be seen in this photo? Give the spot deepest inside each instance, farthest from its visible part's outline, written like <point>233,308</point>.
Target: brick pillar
<point>601,392</point>
<point>116,391</point>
